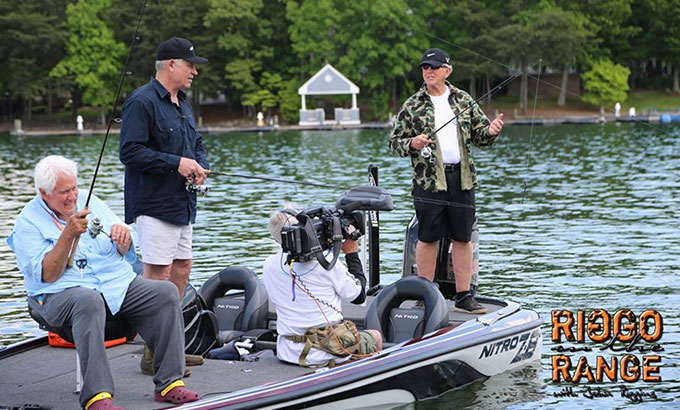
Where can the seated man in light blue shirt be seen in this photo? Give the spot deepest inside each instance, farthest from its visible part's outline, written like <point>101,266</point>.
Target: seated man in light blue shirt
<point>99,286</point>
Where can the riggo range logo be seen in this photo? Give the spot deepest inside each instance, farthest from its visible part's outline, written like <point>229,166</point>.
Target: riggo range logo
<point>631,344</point>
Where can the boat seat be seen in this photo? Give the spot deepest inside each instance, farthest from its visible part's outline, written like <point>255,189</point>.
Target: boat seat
<point>114,329</point>
<point>236,316</point>
<point>200,323</point>
<point>399,324</point>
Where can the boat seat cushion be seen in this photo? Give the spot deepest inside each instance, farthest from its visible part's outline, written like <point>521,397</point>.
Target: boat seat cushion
<point>405,324</point>
<point>115,329</point>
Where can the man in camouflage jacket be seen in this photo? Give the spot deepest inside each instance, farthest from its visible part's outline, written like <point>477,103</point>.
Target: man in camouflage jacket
<point>443,191</point>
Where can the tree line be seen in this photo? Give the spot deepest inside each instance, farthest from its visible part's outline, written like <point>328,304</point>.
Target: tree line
<point>262,51</point>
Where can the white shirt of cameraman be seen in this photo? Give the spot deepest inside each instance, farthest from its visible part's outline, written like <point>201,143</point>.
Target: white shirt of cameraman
<point>296,311</point>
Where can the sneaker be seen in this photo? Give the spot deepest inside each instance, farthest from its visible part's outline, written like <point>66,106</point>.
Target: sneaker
<point>420,304</point>
<point>146,364</point>
<point>468,304</point>
<point>193,359</point>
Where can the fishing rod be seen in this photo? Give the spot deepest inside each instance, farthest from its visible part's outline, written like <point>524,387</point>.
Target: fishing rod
<point>203,190</point>
<point>200,189</point>
<point>426,152</point>
<point>108,128</point>
<point>400,21</point>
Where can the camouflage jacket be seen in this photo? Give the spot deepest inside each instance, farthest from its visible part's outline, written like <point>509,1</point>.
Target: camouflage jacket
<point>417,117</point>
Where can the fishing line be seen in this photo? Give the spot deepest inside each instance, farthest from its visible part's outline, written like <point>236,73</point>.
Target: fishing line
<point>426,152</point>
<point>336,187</point>
<point>395,19</point>
<point>424,200</point>
<point>111,120</point>
<point>531,133</point>
<point>488,94</point>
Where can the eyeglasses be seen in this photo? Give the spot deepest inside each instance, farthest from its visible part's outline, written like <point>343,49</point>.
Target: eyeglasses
<point>430,66</point>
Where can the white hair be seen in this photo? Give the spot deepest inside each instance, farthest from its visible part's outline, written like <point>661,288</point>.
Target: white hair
<point>48,169</point>
<point>279,219</point>
<point>161,65</point>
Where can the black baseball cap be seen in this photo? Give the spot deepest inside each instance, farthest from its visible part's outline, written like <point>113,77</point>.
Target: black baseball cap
<point>178,47</point>
<point>435,57</point>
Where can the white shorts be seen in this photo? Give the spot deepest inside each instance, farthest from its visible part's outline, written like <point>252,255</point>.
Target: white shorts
<point>161,242</point>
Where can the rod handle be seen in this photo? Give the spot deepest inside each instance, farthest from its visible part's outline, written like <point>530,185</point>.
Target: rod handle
<point>69,262</point>
<point>72,255</point>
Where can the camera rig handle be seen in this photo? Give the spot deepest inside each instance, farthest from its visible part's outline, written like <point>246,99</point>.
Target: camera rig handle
<point>316,247</point>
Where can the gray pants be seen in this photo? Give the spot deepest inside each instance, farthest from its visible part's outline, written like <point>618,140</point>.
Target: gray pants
<point>151,307</point>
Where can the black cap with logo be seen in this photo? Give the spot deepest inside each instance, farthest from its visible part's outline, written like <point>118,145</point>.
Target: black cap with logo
<point>435,57</point>
<point>176,48</point>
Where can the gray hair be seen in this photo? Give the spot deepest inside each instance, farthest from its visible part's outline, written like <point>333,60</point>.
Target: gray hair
<point>161,64</point>
<point>48,169</point>
<point>279,219</point>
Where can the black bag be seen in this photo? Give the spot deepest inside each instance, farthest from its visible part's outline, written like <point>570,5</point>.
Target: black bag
<point>200,323</point>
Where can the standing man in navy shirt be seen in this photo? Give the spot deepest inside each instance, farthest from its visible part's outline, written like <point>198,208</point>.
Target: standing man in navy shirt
<point>162,151</point>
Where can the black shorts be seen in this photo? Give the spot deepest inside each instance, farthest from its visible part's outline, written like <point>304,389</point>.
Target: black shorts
<point>445,214</point>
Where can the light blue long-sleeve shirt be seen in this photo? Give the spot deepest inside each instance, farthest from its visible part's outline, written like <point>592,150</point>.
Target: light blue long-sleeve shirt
<point>35,233</point>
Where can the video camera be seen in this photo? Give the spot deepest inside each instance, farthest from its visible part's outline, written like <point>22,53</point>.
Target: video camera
<point>319,229</point>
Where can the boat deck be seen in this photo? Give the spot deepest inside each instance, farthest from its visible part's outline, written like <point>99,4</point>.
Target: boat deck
<point>44,377</point>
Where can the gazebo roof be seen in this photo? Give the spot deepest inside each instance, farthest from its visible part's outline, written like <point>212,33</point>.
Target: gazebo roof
<point>328,81</point>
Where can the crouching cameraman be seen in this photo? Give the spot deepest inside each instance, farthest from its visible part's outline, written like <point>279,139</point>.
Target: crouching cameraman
<point>307,299</point>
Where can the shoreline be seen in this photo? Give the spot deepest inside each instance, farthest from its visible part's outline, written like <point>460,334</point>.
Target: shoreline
<point>221,129</point>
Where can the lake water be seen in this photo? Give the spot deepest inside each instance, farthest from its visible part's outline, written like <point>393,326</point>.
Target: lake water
<point>570,217</point>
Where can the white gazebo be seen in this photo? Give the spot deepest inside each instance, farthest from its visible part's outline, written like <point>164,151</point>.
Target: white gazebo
<point>329,81</point>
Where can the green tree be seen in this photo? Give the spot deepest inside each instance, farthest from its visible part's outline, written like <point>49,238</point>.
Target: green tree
<point>266,97</point>
<point>522,37</point>
<point>187,21</point>
<point>606,83</point>
<point>370,43</point>
<point>244,39</point>
<point>92,55</point>
<point>564,44</point>
<point>470,41</point>
<point>664,33</point>
<point>31,44</point>
<point>614,33</point>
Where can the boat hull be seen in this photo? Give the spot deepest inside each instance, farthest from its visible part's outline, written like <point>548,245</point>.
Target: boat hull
<point>414,370</point>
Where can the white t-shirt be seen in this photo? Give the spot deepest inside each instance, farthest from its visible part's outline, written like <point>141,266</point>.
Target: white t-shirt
<point>296,311</point>
<point>447,136</point>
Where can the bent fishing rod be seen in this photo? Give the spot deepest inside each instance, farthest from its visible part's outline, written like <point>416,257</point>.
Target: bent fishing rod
<point>108,128</point>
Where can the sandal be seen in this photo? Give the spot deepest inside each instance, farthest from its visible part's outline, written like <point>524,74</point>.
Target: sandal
<point>177,394</point>
<point>106,404</point>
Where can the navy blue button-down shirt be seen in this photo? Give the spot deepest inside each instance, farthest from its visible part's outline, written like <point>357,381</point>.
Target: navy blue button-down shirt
<point>154,136</point>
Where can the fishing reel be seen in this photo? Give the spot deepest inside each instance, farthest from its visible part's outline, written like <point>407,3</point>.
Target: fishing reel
<point>95,228</point>
<point>197,189</point>
<point>426,152</point>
